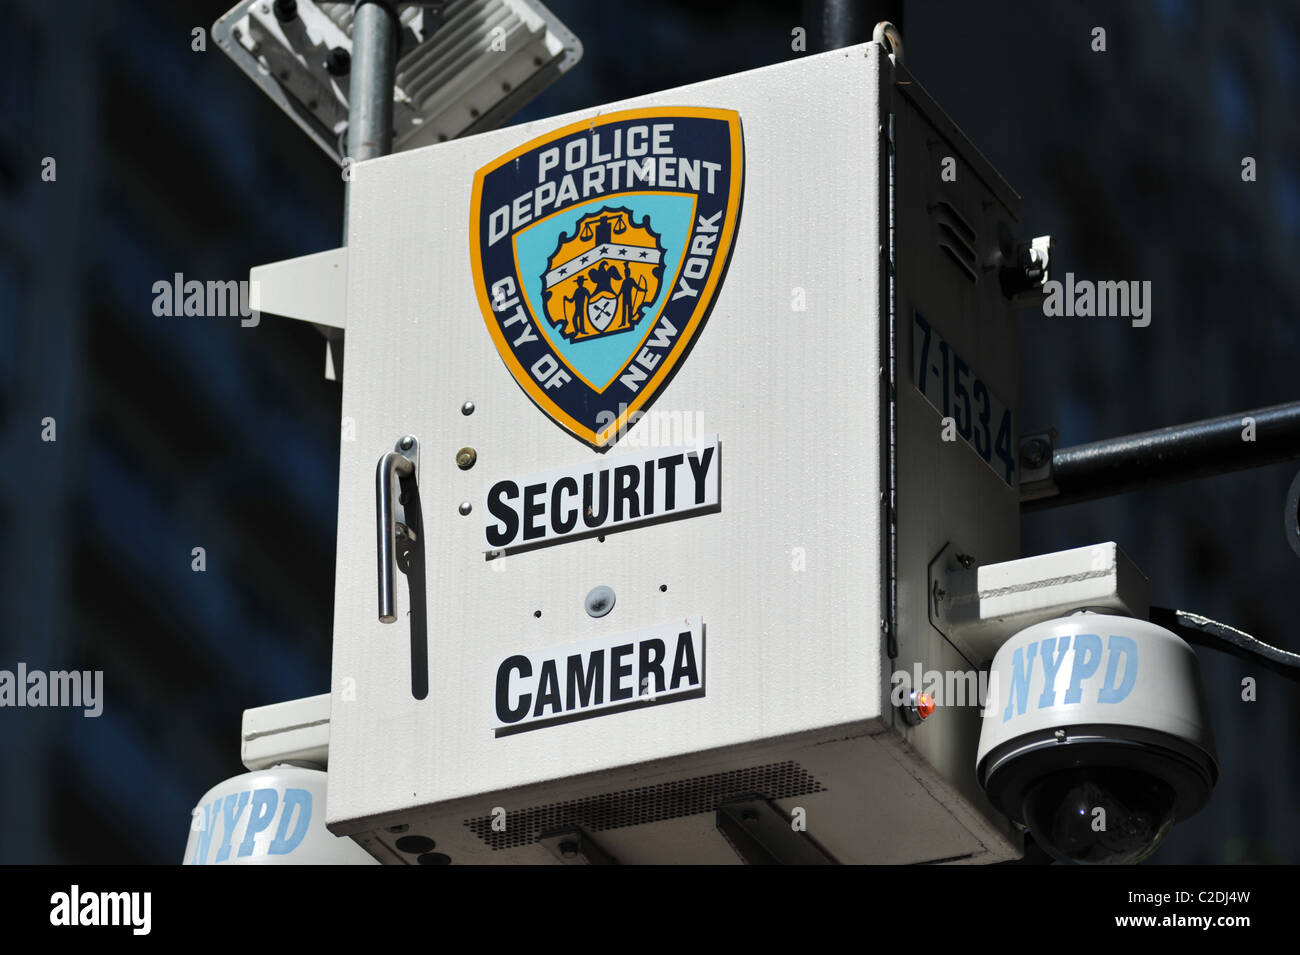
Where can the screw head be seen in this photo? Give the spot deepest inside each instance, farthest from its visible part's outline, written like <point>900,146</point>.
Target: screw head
<point>600,601</point>
<point>408,442</point>
<point>1033,453</point>
<point>338,62</point>
<point>467,408</point>
<point>465,508</point>
<point>465,458</point>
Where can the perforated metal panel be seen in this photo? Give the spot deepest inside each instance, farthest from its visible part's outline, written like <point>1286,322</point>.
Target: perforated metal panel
<point>644,804</point>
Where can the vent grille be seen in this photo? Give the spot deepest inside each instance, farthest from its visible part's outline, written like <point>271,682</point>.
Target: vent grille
<point>634,807</point>
<point>957,239</point>
<point>443,63</point>
<point>445,59</point>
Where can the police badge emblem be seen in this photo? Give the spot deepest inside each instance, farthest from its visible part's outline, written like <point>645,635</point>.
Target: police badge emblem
<point>598,250</point>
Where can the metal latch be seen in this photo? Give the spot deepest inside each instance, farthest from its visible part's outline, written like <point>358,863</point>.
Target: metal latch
<point>401,463</point>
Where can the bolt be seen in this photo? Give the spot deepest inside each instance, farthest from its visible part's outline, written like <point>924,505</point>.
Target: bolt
<point>467,408</point>
<point>465,458</point>
<point>1033,453</point>
<point>338,62</point>
<point>465,508</point>
<point>1060,736</point>
<point>965,560</point>
<point>600,601</point>
<point>408,442</point>
<point>569,849</point>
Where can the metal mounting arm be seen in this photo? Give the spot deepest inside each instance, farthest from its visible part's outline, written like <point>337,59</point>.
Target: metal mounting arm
<point>1216,446</point>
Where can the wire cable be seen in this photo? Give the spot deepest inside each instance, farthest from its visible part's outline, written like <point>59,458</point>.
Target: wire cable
<point>1204,632</point>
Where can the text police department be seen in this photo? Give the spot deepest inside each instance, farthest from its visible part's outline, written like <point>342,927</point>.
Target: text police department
<point>637,156</point>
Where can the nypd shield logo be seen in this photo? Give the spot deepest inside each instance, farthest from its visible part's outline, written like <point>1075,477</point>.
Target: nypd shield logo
<point>597,252</point>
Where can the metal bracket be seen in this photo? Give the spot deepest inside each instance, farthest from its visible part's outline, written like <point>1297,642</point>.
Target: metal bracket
<point>948,561</point>
<point>1035,455</point>
<point>978,608</point>
<point>575,847</point>
<point>761,834</point>
<point>295,732</point>
<point>1023,280</point>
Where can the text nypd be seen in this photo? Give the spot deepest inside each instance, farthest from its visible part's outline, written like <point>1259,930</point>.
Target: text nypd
<point>253,822</point>
<point>1053,671</point>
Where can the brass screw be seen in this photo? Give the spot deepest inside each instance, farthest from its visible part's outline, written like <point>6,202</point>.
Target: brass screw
<point>465,458</point>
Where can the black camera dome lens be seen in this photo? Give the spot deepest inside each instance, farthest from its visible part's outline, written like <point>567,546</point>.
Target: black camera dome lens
<point>1099,815</point>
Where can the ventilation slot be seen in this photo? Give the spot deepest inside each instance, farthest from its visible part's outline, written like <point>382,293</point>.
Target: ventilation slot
<point>957,238</point>
<point>634,807</point>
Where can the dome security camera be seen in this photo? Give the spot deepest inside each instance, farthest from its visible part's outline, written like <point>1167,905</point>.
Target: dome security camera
<point>1096,736</point>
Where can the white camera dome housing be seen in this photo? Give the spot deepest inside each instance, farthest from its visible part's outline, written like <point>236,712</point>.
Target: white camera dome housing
<point>1095,736</point>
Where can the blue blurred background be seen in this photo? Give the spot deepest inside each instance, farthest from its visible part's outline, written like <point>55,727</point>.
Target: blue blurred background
<point>176,433</point>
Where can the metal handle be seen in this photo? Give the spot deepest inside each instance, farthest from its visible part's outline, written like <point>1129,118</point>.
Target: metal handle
<point>400,464</point>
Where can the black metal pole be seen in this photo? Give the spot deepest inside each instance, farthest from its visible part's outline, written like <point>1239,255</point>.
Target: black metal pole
<point>832,24</point>
<point>1180,453</point>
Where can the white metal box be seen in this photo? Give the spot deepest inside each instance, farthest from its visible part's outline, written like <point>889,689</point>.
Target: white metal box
<point>783,579</point>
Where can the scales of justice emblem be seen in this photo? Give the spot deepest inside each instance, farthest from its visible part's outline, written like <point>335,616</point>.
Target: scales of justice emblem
<point>600,279</point>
